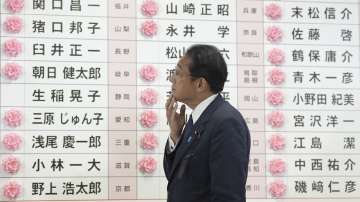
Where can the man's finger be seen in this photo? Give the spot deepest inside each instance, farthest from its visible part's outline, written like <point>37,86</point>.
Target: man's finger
<point>173,112</point>
<point>171,105</point>
<point>168,101</point>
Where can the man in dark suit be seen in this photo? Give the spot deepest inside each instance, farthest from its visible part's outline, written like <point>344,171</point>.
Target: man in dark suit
<point>205,160</point>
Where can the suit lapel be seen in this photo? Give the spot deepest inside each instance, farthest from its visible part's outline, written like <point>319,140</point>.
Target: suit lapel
<point>196,130</point>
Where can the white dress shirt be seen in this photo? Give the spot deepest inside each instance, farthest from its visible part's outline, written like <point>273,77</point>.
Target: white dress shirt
<point>196,113</point>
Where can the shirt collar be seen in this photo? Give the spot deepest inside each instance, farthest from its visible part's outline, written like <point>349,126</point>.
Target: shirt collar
<point>200,108</point>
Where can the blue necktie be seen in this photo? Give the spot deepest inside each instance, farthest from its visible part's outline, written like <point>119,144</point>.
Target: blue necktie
<point>189,127</point>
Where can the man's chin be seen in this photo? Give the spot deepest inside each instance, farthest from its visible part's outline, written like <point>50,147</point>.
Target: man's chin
<point>176,97</point>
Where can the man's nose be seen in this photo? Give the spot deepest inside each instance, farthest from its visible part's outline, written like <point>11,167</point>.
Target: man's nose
<point>171,79</point>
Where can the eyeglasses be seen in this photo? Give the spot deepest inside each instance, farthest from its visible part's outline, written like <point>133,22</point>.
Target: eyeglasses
<point>176,74</point>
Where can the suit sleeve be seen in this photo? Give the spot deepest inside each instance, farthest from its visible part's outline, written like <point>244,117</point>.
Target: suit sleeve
<point>229,157</point>
<point>169,155</point>
<point>168,159</point>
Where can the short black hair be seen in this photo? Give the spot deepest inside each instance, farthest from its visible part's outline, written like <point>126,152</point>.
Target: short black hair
<point>206,61</point>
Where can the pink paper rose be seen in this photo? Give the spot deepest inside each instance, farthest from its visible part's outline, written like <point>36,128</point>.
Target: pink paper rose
<point>14,5</point>
<point>149,8</point>
<point>11,190</point>
<point>273,11</point>
<point>11,141</point>
<point>276,56</point>
<point>276,76</point>
<point>13,24</point>
<point>13,118</point>
<point>149,96</point>
<point>149,28</point>
<point>275,97</point>
<point>277,189</point>
<point>148,72</point>
<point>274,34</point>
<point>11,165</point>
<point>277,166</point>
<point>147,165</point>
<point>12,71</point>
<point>277,142</point>
<point>149,141</point>
<point>276,119</point>
<point>148,119</point>
<point>12,48</point>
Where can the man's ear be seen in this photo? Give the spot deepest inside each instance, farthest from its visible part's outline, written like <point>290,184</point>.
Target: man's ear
<point>202,85</point>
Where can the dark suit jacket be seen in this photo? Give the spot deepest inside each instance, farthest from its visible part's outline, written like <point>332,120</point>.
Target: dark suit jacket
<point>213,166</point>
